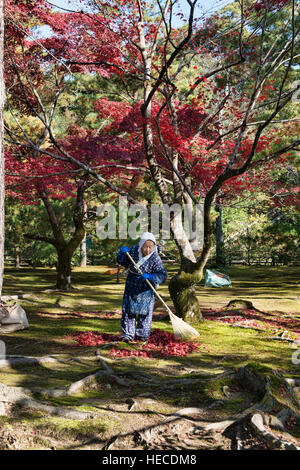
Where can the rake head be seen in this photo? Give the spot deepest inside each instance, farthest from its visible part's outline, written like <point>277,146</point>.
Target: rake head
<point>183,330</point>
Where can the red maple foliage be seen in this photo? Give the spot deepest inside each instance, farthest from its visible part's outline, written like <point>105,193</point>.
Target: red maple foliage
<point>107,43</point>
<point>160,344</point>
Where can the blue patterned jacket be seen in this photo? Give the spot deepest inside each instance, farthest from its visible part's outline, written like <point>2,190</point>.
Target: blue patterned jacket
<point>138,296</point>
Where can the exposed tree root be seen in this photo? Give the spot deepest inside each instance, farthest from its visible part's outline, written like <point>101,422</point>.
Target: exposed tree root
<point>12,361</point>
<point>252,428</point>
<point>20,397</point>
<point>246,430</point>
<point>144,435</point>
<point>275,392</point>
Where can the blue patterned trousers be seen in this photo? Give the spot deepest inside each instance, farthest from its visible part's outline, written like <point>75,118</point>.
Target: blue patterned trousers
<point>138,326</point>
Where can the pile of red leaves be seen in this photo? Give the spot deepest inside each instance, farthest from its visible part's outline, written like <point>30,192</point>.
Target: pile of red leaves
<point>164,344</point>
<point>160,344</point>
<point>256,319</point>
<point>93,338</point>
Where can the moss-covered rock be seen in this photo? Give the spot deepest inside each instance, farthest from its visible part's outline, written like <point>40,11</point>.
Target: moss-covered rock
<point>240,303</point>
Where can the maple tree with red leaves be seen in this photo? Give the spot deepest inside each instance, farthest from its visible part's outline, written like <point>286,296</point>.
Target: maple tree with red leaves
<point>33,172</point>
<point>211,136</point>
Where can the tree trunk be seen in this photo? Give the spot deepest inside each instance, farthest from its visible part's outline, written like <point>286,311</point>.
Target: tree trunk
<point>83,248</point>
<point>83,252</point>
<point>182,285</point>
<point>2,186</point>
<point>220,252</point>
<point>65,250</point>
<point>63,279</point>
<point>183,294</point>
<point>17,257</point>
<point>65,254</point>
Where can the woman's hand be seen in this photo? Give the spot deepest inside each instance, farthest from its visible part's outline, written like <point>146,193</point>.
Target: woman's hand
<point>124,249</point>
<point>148,276</point>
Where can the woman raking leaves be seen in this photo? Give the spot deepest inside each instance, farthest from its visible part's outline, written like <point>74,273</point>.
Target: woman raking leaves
<point>138,299</point>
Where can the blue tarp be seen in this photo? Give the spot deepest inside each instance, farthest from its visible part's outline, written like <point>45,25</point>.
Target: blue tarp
<point>214,278</point>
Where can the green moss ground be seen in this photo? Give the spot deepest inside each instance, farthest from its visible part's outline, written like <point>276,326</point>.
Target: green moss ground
<point>222,347</point>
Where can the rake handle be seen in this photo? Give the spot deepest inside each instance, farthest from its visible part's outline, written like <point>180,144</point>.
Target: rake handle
<point>154,290</point>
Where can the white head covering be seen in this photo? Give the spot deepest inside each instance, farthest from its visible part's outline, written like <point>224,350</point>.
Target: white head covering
<point>145,236</point>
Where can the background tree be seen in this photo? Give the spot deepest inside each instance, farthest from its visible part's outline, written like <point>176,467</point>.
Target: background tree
<point>176,135</point>
<point>41,187</point>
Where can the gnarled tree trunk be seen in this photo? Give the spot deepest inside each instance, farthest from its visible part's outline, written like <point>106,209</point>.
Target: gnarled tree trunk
<point>83,247</point>
<point>182,286</point>
<point>220,252</point>
<point>65,250</point>
<point>183,294</point>
<point>2,186</point>
<point>63,268</point>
